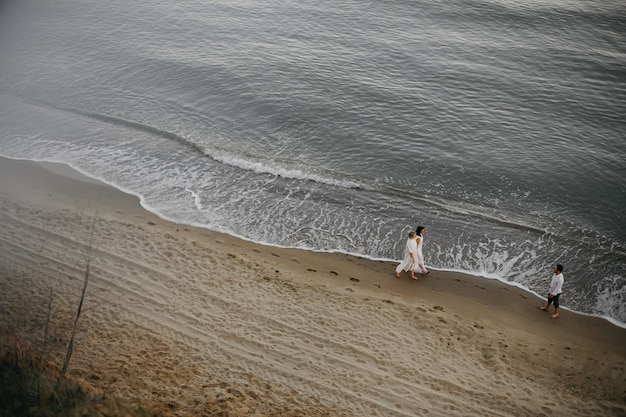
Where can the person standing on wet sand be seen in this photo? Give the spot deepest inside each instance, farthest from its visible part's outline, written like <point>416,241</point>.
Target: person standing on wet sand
<point>555,291</point>
<point>410,256</point>
<point>419,264</point>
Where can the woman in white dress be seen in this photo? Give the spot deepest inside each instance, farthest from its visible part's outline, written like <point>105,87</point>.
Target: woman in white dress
<point>419,264</point>
<point>410,256</point>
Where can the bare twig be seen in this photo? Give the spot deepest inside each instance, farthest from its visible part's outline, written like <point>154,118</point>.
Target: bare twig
<point>70,347</point>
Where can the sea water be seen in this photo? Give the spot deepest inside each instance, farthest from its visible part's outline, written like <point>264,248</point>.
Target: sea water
<point>340,125</point>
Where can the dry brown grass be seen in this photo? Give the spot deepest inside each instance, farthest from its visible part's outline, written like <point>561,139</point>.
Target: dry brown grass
<point>28,389</point>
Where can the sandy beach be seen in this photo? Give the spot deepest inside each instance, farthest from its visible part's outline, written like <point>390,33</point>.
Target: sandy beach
<point>200,323</point>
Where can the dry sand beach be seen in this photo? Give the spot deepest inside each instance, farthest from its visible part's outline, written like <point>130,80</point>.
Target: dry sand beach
<point>199,323</point>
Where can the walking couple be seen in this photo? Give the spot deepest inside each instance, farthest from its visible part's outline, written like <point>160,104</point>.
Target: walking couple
<point>413,258</point>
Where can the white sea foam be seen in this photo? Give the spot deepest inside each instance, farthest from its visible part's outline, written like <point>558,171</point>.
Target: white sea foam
<point>196,199</point>
<point>276,170</point>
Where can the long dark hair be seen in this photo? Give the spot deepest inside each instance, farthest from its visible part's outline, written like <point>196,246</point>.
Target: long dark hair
<point>419,230</point>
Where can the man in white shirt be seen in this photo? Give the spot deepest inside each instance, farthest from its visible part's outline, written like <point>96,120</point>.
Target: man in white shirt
<point>555,291</point>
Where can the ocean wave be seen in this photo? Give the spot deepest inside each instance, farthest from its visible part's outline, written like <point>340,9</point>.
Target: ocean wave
<point>224,157</point>
<point>288,173</point>
<point>281,169</point>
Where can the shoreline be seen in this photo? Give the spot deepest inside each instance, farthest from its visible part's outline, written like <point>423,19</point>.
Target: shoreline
<point>287,329</point>
<point>70,172</point>
<point>74,174</point>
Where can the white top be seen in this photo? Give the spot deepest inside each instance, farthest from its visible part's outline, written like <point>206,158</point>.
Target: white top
<point>419,245</point>
<point>556,284</point>
<point>411,246</point>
